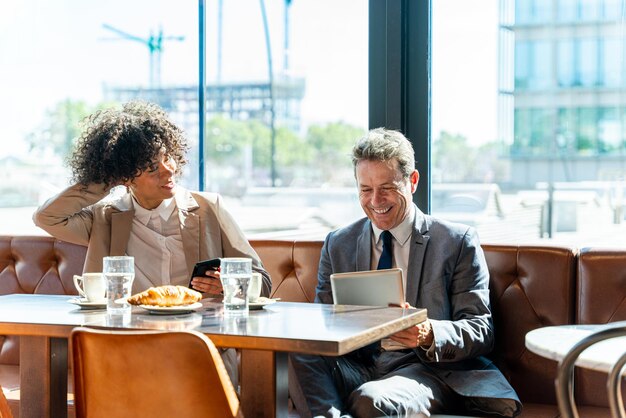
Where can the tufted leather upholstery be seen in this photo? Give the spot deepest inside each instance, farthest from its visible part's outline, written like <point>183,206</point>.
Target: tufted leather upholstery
<point>601,299</point>
<point>36,265</point>
<point>531,287</point>
<point>292,266</point>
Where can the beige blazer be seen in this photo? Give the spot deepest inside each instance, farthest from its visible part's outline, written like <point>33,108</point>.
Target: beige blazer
<point>88,216</point>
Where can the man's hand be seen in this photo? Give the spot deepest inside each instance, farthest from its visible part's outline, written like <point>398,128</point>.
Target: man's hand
<point>210,283</point>
<point>420,335</point>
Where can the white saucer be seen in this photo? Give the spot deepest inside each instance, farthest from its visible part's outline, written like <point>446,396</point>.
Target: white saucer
<point>260,303</point>
<point>171,310</point>
<point>86,304</point>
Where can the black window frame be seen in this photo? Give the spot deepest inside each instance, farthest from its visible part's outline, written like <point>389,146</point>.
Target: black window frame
<point>399,78</point>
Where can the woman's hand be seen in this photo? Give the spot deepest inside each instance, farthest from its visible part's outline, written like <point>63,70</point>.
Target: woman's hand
<point>210,283</point>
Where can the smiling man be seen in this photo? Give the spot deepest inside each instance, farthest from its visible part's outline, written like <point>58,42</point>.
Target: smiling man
<point>434,367</point>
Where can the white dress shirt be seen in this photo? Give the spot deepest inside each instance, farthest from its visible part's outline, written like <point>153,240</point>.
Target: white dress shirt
<point>156,243</point>
<point>401,248</point>
<point>401,244</point>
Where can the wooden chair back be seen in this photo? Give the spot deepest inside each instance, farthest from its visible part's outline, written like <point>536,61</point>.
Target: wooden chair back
<point>5,411</point>
<point>149,373</point>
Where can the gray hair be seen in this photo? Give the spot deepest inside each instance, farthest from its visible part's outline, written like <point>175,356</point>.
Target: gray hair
<point>383,144</point>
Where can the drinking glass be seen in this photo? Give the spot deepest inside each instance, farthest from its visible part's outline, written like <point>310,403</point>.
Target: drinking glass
<point>235,274</point>
<point>119,273</point>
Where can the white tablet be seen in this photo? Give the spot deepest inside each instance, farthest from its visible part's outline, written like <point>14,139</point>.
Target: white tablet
<point>371,288</point>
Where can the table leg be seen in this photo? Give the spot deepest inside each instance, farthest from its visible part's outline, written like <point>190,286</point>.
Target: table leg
<point>43,377</point>
<point>264,383</point>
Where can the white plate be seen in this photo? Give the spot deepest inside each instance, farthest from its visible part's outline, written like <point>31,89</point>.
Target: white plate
<point>85,304</point>
<point>171,310</point>
<point>260,303</point>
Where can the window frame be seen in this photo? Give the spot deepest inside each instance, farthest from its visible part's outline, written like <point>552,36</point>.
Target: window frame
<point>399,78</point>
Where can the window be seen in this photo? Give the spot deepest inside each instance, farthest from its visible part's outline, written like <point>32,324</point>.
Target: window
<point>610,61</point>
<point>565,63</point>
<point>525,99</point>
<point>63,60</point>
<point>568,119</point>
<point>588,62</point>
<point>68,58</point>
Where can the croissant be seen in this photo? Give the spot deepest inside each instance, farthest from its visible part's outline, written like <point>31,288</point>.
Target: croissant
<point>167,295</point>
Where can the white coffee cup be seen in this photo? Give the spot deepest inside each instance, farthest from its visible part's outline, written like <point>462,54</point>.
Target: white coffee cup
<point>91,286</point>
<point>254,288</point>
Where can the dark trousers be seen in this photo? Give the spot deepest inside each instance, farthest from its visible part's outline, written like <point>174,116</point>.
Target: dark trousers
<point>388,383</point>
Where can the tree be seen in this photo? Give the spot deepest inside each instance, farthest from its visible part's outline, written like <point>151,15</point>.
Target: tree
<point>60,128</point>
<point>454,160</point>
<point>235,147</point>
<point>332,144</point>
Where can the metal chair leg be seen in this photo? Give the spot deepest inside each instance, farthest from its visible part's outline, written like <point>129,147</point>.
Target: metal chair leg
<point>614,386</point>
<point>564,382</point>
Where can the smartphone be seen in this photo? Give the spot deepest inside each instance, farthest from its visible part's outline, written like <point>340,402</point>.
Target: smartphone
<point>202,267</point>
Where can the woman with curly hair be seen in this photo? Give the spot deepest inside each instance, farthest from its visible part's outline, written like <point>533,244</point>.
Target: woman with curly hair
<point>164,226</point>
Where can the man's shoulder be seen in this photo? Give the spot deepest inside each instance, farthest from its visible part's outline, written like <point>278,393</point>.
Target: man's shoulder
<point>348,232</point>
<point>445,231</point>
<point>436,224</point>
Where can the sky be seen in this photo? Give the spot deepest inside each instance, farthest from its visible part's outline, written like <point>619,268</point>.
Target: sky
<point>464,69</point>
<point>50,51</point>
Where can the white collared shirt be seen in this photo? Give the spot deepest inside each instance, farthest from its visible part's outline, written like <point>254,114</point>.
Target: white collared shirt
<point>156,243</point>
<point>401,244</point>
<point>401,249</point>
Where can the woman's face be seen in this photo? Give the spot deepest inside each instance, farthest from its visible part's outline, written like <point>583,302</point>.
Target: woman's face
<point>156,183</point>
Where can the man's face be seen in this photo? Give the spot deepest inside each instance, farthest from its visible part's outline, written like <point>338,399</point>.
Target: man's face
<point>385,196</point>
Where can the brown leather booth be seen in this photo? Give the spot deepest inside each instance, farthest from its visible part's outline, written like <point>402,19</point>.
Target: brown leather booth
<point>531,287</point>
<point>601,298</point>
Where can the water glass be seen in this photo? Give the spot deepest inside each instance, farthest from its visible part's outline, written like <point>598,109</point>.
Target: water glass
<point>119,273</point>
<point>235,274</point>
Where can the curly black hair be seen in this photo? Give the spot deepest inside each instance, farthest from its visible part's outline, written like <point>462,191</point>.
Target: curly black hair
<point>117,145</point>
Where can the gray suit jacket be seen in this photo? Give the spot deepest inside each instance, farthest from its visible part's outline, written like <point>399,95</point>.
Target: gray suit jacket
<point>447,275</point>
<point>85,216</point>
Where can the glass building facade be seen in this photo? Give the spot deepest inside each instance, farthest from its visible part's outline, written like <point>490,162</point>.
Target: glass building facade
<point>569,91</point>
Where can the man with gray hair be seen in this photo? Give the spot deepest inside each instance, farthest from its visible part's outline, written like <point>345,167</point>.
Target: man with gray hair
<point>438,365</point>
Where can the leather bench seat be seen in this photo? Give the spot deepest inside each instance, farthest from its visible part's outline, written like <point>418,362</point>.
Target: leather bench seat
<point>531,287</point>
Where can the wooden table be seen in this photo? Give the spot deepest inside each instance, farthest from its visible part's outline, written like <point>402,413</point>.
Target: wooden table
<point>265,337</point>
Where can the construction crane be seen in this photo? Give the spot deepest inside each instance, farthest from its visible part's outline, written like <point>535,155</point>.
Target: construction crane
<point>155,47</point>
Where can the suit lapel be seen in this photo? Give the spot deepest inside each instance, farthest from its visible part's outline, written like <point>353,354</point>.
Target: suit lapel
<point>364,248</point>
<point>419,241</point>
<point>189,227</point>
<point>121,223</point>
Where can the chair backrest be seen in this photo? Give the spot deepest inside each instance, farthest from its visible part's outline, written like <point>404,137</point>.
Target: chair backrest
<point>149,373</point>
<point>5,410</point>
